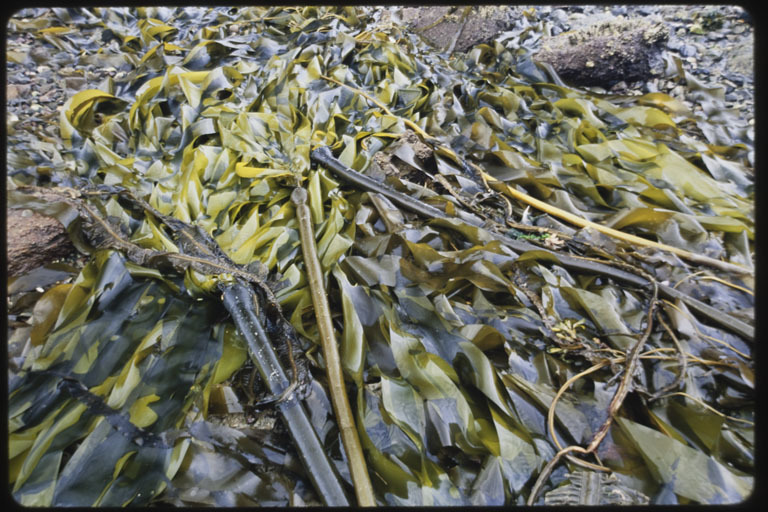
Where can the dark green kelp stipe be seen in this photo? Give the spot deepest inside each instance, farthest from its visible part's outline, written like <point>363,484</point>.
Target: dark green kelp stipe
<point>541,294</point>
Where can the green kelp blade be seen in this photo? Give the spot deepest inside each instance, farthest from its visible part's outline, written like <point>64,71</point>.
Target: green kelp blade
<point>690,473</point>
<point>142,354</point>
<point>225,467</point>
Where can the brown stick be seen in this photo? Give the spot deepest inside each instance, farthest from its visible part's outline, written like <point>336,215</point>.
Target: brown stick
<point>344,418</point>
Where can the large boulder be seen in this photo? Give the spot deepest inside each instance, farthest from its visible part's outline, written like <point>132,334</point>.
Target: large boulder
<point>34,240</point>
<point>606,53</point>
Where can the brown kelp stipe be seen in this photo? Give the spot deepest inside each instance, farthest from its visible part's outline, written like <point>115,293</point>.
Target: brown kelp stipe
<point>344,417</point>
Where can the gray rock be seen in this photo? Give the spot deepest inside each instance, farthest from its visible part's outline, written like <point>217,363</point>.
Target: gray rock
<point>688,50</point>
<point>14,91</point>
<point>646,10</point>
<point>40,55</point>
<point>675,43</point>
<point>559,16</point>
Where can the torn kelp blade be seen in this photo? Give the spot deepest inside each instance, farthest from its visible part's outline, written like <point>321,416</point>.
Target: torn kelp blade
<point>239,301</point>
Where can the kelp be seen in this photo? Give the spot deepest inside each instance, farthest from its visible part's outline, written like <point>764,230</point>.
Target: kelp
<point>344,418</point>
<point>240,302</point>
<point>322,155</point>
<point>472,356</point>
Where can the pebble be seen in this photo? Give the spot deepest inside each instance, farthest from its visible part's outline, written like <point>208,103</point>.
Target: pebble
<point>49,96</point>
<point>559,16</point>
<point>675,43</point>
<point>14,91</point>
<point>688,50</point>
<point>74,82</point>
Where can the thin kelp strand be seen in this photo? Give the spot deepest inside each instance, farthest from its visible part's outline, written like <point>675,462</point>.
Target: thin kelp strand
<point>682,359</point>
<point>713,278</point>
<point>708,407</point>
<point>630,365</point>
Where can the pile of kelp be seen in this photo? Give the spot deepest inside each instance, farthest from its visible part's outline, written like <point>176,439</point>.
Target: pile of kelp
<point>493,354</point>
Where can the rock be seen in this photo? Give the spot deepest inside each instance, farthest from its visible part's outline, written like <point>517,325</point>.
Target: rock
<point>559,16</point>
<point>40,55</point>
<point>34,240</point>
<point>605,53</point>
<point>739,58</point>
<point>688,50</point>
<point>675,44</point>
<point>17,91</point>
<point>49,96</point>
<point>75,82</point>
<point>441,25</point>
<point>394,160</point>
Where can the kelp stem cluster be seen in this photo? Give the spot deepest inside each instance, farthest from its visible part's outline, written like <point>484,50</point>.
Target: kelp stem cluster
<point>239,301</point>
